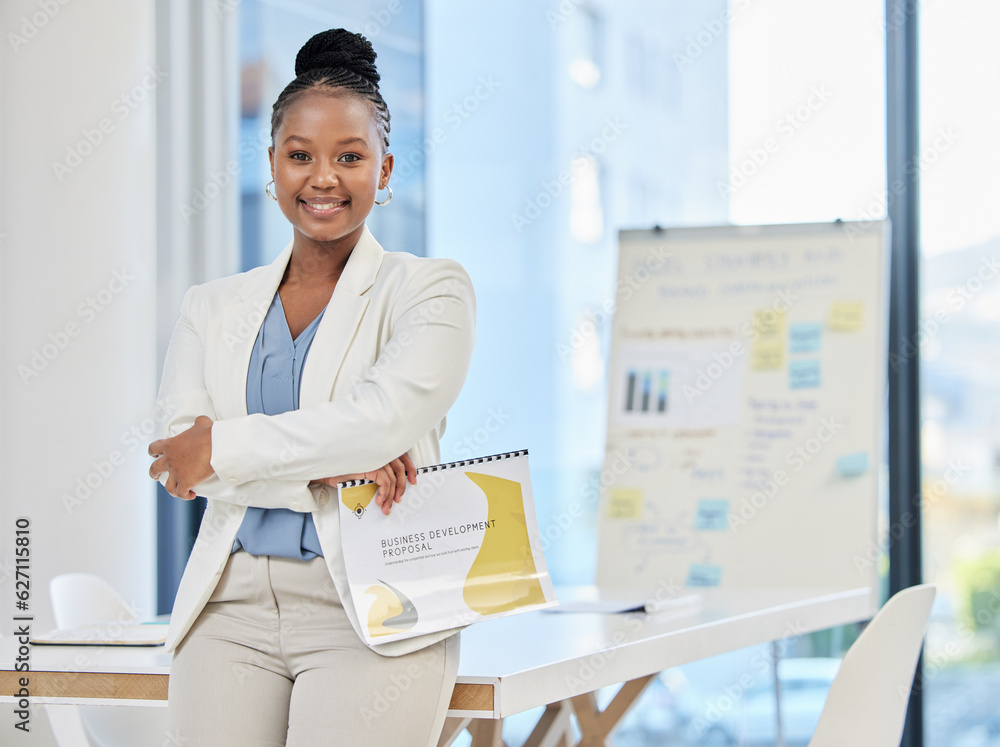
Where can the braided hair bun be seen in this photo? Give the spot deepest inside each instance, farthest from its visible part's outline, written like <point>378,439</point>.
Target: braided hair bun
<point>338,49</point>
<point>331,62</point>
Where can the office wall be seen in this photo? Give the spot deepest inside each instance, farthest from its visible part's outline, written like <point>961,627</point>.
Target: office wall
<point>77,293</point>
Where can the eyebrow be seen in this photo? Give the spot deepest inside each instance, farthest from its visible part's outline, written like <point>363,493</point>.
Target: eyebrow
<point>307,141</point>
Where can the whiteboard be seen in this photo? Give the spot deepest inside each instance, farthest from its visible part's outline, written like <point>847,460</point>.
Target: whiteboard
<point>747,391</point>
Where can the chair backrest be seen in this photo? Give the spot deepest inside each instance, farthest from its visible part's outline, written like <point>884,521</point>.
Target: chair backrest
<point>83,598</point>
<point>866,705</point>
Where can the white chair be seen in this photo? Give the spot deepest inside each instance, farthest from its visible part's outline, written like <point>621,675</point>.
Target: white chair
<point>866,705</point>
<point>82,599</point>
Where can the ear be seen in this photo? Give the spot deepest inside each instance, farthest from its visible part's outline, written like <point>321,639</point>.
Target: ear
<point>270,158</point>
<point>386,171</point>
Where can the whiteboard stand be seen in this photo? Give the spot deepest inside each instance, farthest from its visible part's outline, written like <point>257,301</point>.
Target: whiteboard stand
<point>779,733</point>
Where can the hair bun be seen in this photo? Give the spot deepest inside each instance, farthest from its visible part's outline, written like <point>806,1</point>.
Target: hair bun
<point>338,48</point>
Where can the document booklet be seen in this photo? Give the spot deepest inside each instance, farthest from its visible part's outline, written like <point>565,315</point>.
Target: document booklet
<point>461,547</point>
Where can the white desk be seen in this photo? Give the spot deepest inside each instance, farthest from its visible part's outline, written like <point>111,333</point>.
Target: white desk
<point>508,665</point>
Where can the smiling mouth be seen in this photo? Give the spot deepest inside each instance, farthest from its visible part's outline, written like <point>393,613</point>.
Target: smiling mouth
<point>323,208</point>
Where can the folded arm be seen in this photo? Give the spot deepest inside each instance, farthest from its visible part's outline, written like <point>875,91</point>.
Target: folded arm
<point>183,398</point>
<point>270,461</point>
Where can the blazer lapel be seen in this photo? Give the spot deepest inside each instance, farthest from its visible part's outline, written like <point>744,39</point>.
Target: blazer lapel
<point>340,321</point>
<point>241,322</point>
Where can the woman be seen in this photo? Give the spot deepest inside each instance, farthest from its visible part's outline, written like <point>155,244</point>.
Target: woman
<point>338,360</point>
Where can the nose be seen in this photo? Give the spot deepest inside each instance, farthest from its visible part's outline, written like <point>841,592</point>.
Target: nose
<point>325,176</point>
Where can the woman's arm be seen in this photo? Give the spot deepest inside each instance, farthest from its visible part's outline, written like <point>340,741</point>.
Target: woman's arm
<point>183,397</point>
<point>183,461</point>
<point>396,402</point>
<point>270,461</point>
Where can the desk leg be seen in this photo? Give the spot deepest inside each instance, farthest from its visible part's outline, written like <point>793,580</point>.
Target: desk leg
<point>453,727</point>
<point>554,728</point>
<point>596,725</point>
<point>486,732</point>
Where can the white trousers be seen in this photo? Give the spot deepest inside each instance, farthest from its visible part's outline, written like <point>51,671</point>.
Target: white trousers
<point>273,660</point>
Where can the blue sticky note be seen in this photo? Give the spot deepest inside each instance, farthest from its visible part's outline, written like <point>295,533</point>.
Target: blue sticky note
<point>713,514</point>
<point>804,338</point>
<point>704,575</point>
<point>851,465</point>
<point>803,374</point>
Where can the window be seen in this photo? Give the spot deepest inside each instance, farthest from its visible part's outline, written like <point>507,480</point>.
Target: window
<point>958,349</point>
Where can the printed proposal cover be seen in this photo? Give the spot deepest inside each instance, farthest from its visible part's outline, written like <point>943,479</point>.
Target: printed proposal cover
<point>461,547</point>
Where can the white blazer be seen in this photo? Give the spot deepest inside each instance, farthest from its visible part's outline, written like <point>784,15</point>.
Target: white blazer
<point>388,360</point>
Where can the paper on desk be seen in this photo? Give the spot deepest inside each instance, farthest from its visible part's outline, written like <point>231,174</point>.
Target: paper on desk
<point>105,634</point>
<point>688,602</point>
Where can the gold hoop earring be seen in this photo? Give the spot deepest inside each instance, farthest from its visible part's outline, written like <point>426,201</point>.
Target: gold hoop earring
<point>267,191</point>
<point>387,199</point>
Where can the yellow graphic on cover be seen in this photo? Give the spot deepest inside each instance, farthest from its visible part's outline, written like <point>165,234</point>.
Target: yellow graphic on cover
<point>391,612</point>
<point>358,497</point>
<point>503,575</point>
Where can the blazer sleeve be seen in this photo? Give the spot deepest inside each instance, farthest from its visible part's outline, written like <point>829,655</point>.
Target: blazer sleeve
<point>397,401</point>
<point>183,396</point>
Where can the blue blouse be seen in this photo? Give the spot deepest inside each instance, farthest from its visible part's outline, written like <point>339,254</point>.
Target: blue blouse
<point>273,382</point>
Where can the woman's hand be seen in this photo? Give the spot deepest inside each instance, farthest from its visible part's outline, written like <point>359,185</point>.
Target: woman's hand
<point>187,457</point>
<point>390,479</point>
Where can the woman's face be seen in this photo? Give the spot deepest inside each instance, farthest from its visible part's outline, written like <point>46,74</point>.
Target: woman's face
<point>327,165</point>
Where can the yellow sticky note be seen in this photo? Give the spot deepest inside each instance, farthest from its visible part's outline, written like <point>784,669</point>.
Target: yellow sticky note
<point>767,355</point>
<point>769,323</point>
<point>846,316</point>
<point>624,503</point>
